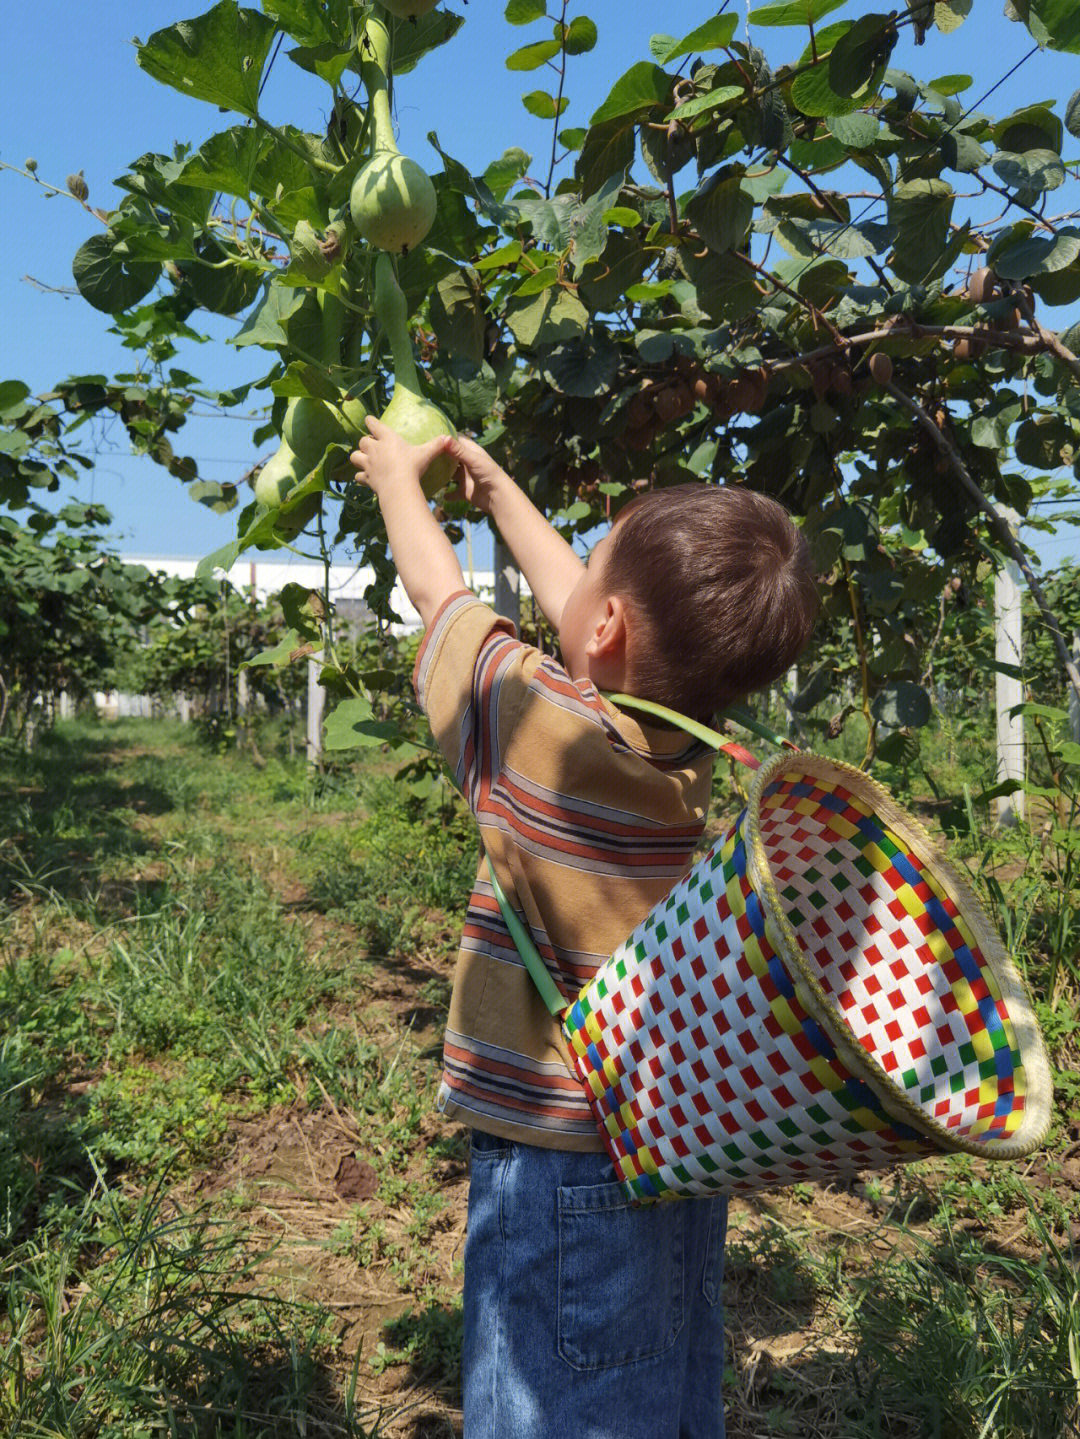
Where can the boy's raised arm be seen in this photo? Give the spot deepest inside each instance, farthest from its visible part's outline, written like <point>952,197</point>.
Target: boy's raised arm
<point>424,557</point>
<point>550,566</point>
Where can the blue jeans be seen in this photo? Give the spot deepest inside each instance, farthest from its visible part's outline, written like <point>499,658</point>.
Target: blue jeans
<point>587,1317</point>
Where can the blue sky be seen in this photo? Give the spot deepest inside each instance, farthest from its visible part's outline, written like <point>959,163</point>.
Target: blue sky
<point>74,98</point>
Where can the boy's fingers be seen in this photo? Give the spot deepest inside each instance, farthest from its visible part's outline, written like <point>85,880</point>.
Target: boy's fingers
<point>468,449</point>
<point>376,426</point>
<point>438,446</point>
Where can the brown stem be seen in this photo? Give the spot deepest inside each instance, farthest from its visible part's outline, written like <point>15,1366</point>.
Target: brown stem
<point>1051,340</point>
<point>927,675</point>
<point>998,525</point>
<point>669,178</point>
<point>864,665</point>
<point>818,317</point>
<point>558,107</point>
<point>1001,339</point>
<point>833,208</point>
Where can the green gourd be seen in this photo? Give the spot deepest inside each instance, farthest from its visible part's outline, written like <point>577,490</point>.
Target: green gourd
<point>282,473</point>
<point>392,201</point>
<point>310,428</point>
<point>409,414</point>
<point>278,476</point>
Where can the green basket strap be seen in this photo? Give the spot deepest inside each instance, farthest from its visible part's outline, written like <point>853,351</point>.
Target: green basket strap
<point>538,970</point>
<point>708,736</point>
<point>530,955</point>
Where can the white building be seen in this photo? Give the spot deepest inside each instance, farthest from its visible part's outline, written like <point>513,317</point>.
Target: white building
<point>268,576</point>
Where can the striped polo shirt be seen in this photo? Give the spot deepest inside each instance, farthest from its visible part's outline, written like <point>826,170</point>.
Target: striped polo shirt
<point>589,817</point>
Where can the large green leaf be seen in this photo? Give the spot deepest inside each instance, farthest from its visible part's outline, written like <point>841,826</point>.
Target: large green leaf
<point>1043,442</point>
<point>550,318</point>
<point>411,40</point>
<point>1033,170</point>
<point>305,20</point>
<point>586,367</point>
<point>812,94</point>
<point>608,150</point>
<point>644,87</point>
<point>223,288</point>
<point>217,57</point>
<point>949,15</point>
<point>243,161</point>
<point>604,283</point>
<point>579,37</point>
<point>1053,23</point>
<point>109,281</point>
<point>831,237</point>
<point>458,317</point>
<point>857,130</point>
<point>1039,256</point>
<point>723,283</point>
<point>702,104</point>
<point>793,12</point>
<point>266,326</point>
<point>715,34</point>
<point>352,725</point>
<point>328,62</point>
<point>531,57</point>
<point>921,211</point>
<point>721,211</point>
<point>1035,127</point>
<point>1058,287</point>
<point>524,12</point>
<point>904,705</point>
<point>857,55</point>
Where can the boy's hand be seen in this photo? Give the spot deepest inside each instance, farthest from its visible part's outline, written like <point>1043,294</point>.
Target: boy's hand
<point>383,458</point>
<point>480,478</point>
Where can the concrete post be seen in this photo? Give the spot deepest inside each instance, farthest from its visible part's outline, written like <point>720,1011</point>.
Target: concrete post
<point>316,704</point>
<point>1009,692</point>
<point>507,583</point>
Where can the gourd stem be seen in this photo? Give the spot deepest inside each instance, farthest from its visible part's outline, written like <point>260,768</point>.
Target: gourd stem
<point>374,48</point>
<point>333,319</point>
<point>392,314</point>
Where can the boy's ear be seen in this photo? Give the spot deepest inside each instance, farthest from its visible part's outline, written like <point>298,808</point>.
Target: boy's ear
<point>608,639</point>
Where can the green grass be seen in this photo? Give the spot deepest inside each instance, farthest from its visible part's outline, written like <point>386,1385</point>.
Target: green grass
<point>203,962</point>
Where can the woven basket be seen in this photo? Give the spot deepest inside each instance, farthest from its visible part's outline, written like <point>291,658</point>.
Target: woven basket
<point>821,994</point>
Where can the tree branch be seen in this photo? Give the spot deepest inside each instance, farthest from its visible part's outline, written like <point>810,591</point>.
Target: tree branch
<point>999,526</point>
<point>1051,340</point>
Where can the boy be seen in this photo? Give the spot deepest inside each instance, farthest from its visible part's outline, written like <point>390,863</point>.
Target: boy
<point>584,1316</point>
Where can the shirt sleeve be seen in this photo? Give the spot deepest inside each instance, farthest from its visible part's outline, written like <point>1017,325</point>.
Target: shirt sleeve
<point>471,676</point>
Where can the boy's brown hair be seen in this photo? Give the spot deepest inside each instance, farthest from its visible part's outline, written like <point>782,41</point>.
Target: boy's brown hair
<point>721,584</point>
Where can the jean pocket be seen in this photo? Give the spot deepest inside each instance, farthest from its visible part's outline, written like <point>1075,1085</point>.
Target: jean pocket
<point>621,1277</point>
<point>487,1146</point>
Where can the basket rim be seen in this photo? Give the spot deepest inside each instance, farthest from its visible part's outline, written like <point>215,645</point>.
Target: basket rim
<point>823,1009</point>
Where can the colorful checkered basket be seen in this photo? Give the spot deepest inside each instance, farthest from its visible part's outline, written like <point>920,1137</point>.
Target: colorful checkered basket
<point>822,994</point>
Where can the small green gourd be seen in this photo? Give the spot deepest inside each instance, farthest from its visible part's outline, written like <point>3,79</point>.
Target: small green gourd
<point>278,476</point>
<point>409,414</point>
<point>281,474</point>
<point>310,428</point>
<point>392,201</point>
